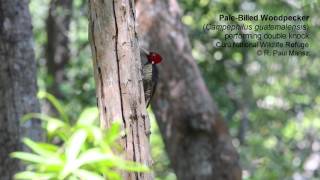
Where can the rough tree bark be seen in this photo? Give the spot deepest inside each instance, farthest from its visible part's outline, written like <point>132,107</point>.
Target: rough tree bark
<point>57,47</point>
<point>17,82</point>
<point>117,71</point>
<point>196,137</point>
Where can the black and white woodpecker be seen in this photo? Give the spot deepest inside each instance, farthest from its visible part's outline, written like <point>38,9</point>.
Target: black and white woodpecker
<point>149,73</point>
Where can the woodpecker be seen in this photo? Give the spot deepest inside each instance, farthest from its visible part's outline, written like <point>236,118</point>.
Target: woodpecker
<point>149,73</point>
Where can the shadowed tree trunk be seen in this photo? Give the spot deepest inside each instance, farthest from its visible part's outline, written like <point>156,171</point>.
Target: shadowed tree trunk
<point>17,82</point>
<point>117,72</point>
<point>57,47</point>
<point>196,137</point>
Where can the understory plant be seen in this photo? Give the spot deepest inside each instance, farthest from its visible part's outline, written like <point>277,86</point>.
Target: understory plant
<point>72,151</point>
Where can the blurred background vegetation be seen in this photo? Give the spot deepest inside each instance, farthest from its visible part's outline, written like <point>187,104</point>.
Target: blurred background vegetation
<point>271,104</point>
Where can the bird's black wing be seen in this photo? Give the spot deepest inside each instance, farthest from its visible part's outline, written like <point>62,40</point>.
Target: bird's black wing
<point>150,78</point>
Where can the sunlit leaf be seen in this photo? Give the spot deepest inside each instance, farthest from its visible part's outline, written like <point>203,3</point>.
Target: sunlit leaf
<point>132,166</point>
<point>72,151</point>
<point>74,145</point>
<point>113,133</point>
<point>29,157</point>
<point>29,175</point>
<point>113,175</point>
<point>52,124</point>
<point>84,174</point>
<point>42,149</point>
<point>88,116</point>
<point>55,102</point>
<point>94,155</point>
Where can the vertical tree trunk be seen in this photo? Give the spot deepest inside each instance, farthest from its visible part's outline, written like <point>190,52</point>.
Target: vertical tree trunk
<point>196,137</point>
<point>17,82</point>
<point>117,71</point>
<point>57,47</point>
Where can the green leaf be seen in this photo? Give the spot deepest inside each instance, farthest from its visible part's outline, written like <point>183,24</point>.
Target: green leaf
<point>84,174</point>
<point>55,102</point>
<point>47,150</point>
<point>113,133</point>
<point>93,156</point>
<point>113,175</point>
<point>26,175</point>
<point>131,166</point>
<point>75,143</point>
<point>52,123</point>
<point>72,151</point>
<point>96,134</point>
<point>88,116</point>
<point>29,157</point>
<point>43,117</point>
<point>136,167</point>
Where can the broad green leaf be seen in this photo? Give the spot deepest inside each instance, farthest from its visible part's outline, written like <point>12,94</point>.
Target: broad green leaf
<point>113,175</point>
<point>72,151</point>
<point>26,175</point>
<point>55,102</point>
<point>93,156</point>
<point>113,133</point>
<point>42,149</point>
<point>56,168</point>
<point>96,134</point>
<point>52,123</point>
<point>45,118</point>
<point>29,157</point>
<point>84,174</point>
<point>88,116</point>
<point>130,166</point>
<point>75,143</point>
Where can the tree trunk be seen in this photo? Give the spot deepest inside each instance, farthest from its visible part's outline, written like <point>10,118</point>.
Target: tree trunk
<point>196,137</point>
<point>117,71</point>
<point>17,82</point>
<point>57,47</point>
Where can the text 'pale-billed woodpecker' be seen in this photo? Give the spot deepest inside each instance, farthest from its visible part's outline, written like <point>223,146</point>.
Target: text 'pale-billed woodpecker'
<point>149,73</point>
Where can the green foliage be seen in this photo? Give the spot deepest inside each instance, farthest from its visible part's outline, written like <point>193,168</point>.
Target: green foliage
<point>281,93</point>
<point>74,151</point>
